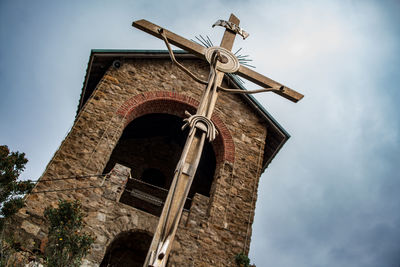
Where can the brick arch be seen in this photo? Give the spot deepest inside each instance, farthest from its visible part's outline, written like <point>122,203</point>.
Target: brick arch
<point>175,104</point>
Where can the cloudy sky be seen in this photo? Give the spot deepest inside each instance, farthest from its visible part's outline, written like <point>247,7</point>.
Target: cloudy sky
<point>331,196</point>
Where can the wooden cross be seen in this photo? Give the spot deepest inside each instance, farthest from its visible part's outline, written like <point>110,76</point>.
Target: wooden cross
<point>222,61</point>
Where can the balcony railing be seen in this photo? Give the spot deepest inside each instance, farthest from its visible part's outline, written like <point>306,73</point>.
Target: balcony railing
<point>146,197</point>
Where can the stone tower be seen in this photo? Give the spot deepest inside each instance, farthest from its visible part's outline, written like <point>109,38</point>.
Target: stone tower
<point>119,157</point>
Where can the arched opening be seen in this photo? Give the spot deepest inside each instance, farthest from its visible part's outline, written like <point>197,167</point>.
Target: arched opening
<point>128,249</point>
<point>151,146</point>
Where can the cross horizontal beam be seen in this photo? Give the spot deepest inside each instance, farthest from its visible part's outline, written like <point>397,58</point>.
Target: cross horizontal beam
<point>264,81</point>
<point>173,38</point>
<point>199,51</point>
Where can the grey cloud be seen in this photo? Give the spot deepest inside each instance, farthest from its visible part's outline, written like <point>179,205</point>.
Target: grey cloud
<point>330,197</point>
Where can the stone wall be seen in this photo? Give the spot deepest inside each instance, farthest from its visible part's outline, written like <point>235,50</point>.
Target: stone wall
<point>216,228</point>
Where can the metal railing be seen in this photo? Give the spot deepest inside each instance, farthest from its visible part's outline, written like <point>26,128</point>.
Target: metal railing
<point>146,197</point>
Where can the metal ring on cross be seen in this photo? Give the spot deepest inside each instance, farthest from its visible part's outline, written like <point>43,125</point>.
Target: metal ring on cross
<point>229,65</point>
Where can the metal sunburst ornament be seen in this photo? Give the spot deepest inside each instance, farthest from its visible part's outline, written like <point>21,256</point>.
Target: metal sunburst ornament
<point>243,59</point>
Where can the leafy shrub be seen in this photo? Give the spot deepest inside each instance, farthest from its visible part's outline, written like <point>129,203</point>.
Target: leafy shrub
<point>12,206</point>
<point>11,166</point>
<point>242,260</point>
<point>67,244</point>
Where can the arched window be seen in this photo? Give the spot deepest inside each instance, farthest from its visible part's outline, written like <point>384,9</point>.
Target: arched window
<point>151,146</point>
<point>128,249</point>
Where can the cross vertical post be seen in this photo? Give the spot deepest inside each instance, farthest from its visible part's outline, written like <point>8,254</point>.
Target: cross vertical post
<point>222,61</point>
<point>187,165</point>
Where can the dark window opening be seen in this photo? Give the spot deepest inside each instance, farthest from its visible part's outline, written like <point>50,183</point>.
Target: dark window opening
<point>154,177</point>
<point>151,146</point>
<point>127,250</point>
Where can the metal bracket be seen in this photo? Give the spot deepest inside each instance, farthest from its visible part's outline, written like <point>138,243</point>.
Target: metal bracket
<point>202,123</point>
<point>188,169</point>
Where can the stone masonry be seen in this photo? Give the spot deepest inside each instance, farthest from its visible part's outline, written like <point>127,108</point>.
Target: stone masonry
<point>216,228</point>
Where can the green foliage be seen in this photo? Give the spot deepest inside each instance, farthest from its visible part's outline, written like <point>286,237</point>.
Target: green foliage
<point>12,206</point>
<point>242,260</point>
<point>67,244</point>
<point>11,166</point>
